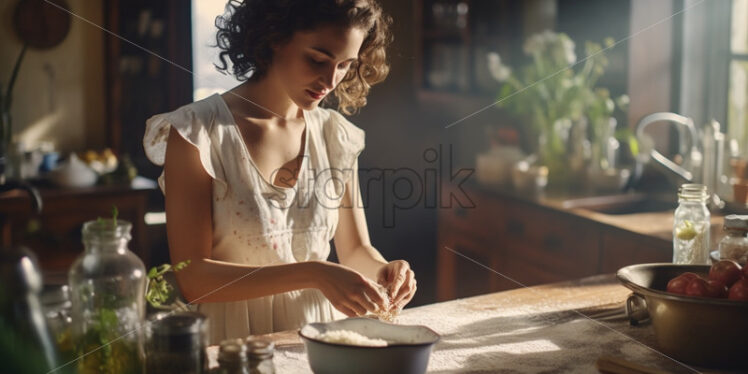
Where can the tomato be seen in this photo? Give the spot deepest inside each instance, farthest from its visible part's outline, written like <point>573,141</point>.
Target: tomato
<point>725,271</point>
<point>739,290</point>
<point>679,283</point>
<point>690,275</point>
<point>697,287</point>
<point>716,289</point>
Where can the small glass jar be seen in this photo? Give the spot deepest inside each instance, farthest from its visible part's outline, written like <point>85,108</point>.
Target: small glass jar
<point>691,226</point>
<point>232,357</point>
<point>107,287</point>
<point>260,354</point>
<point>734,246</point>
<point>57,309</point>
<point>176,343</point>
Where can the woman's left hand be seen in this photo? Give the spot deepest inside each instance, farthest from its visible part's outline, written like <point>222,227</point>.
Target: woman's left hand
<point>400,282</point>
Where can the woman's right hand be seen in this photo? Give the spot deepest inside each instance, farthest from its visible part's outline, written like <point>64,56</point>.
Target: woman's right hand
<point>349,291</point>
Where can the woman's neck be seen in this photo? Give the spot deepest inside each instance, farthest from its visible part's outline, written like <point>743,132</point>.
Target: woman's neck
<point>264,100</point>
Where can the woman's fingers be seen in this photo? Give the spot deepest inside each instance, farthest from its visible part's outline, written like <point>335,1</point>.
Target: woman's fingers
<point>365,301</point>
<point>375,299</point>
<point>345,310</point>
<point>408,298</point>
<point>407,286</point>
<point>357,308</point>
<point>401,272</point>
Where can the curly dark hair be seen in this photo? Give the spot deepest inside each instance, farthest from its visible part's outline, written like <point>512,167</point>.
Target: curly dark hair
<point>249,29</point>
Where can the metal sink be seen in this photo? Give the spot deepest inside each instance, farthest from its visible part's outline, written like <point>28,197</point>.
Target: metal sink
<point>622,204</point>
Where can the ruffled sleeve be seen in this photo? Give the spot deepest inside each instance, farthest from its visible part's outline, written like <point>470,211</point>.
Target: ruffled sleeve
<point>345,142</point>
<point>195,130</point>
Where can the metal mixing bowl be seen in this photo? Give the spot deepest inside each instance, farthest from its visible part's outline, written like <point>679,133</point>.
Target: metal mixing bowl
<point>699,331</point>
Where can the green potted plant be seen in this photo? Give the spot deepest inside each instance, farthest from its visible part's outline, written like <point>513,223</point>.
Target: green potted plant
<point>559,102</point>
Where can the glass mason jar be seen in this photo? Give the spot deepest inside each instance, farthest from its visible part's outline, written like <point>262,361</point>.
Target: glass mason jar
<point>232,357</point>
<point>56,305</point>
<point>734,246</point>
<point>176,343</point>
<point>691,226</point>
<point>260,356</point>
<point>107,286</point>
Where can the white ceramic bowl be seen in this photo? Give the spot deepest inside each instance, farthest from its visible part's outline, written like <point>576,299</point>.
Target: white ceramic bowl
<point>408,349</point>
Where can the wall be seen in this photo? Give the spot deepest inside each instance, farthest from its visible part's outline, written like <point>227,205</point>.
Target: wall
<point>396,136</point>
<point>399,129</point>
<point>60,93</point>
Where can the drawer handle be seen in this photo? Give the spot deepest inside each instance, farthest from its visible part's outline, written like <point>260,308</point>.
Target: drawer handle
<point>552,243</point>
<point>515,227</point>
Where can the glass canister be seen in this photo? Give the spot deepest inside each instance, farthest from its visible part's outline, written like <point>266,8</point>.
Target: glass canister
<point>107,287</point>
<point>734,246</point>
<point>232,357</point>
<point>691,226</point>
<point>176,343</point>
<point>260,354</point>
<point>56,305</point>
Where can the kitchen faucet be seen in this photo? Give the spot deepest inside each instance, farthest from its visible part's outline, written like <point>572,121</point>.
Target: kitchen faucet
<point>702,157</point>
<point>36,197</point>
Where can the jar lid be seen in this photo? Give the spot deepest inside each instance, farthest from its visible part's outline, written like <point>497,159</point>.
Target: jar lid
<point>178,324</point>
<point>232,351</point>
<point>55,294</point>
<point>693,192</point>
<point>736,222</point>
<point>259,348</point>
<point>106,230</point>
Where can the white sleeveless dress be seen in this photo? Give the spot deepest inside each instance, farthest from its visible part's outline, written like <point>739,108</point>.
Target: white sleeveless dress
<point>258,223</point>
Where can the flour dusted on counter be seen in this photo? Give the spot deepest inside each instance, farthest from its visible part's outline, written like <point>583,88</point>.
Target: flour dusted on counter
<point>350,338</point>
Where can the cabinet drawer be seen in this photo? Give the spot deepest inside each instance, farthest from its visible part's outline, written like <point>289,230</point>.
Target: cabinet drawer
<point>621,248</point>
<point>557,243</point>
<point>519,273</point>
<point>482,220</point>
<point>462,262</point>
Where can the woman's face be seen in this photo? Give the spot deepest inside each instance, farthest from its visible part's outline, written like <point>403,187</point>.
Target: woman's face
<point>313,62</point>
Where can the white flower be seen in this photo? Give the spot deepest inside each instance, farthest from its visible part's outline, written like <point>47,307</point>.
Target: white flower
<point>568,46</point>
<point>534,43</point>
<point>498,71</point>
<point>549,37</point>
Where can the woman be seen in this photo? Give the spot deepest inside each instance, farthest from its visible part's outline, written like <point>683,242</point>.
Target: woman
<point>260,178</point>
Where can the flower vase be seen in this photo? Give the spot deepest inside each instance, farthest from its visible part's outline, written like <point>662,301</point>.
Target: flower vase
<point>565,151</point>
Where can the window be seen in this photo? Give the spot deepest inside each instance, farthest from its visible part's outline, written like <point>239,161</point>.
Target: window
<point>206,79</point>
<point>737,102</point>
<point>714,67</point>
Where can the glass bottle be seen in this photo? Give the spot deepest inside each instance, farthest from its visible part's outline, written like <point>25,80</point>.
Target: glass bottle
<point>107,286</point>
<point>176,343</point>
<point>26,345</point>
<point>56,305</point>
<point>734,246</point>
<point>232,357</point>
<point>260,354</point>
<point>691,226</point>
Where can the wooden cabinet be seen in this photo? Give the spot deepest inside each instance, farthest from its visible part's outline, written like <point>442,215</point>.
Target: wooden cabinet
<point>149,70</point>
<point>505,242</point>
<point>55,234</point>
<point>468,238</point>
<point>623,248</point>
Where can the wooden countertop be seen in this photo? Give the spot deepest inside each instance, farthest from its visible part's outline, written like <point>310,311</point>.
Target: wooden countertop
<point>541,328</point>
<point>657,225</point>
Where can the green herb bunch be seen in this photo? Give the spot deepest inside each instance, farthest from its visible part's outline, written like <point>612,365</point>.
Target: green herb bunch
<point>159,291</point>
